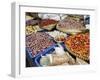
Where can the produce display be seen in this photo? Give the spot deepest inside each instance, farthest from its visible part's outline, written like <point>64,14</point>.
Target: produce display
<point>70,25</point>
<point>78,18</point>
<point>79,45</point>
<point>58,36</point>
<point>37,42</point>
<point>57,39</point>
<point>48,24</point>
<point>31,29</point>
<point>32,22</point>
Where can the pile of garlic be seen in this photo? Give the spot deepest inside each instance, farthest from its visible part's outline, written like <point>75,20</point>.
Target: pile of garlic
<point>57,34</point>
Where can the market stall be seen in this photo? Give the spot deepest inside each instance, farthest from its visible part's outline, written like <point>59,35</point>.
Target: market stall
<point>57,39</point>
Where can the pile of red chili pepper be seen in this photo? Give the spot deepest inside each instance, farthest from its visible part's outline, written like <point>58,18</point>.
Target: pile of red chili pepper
<point>79,44</point>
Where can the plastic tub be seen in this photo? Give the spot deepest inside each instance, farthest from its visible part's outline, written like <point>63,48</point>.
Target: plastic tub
<point>48,51</point>
<point>34,59</point>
